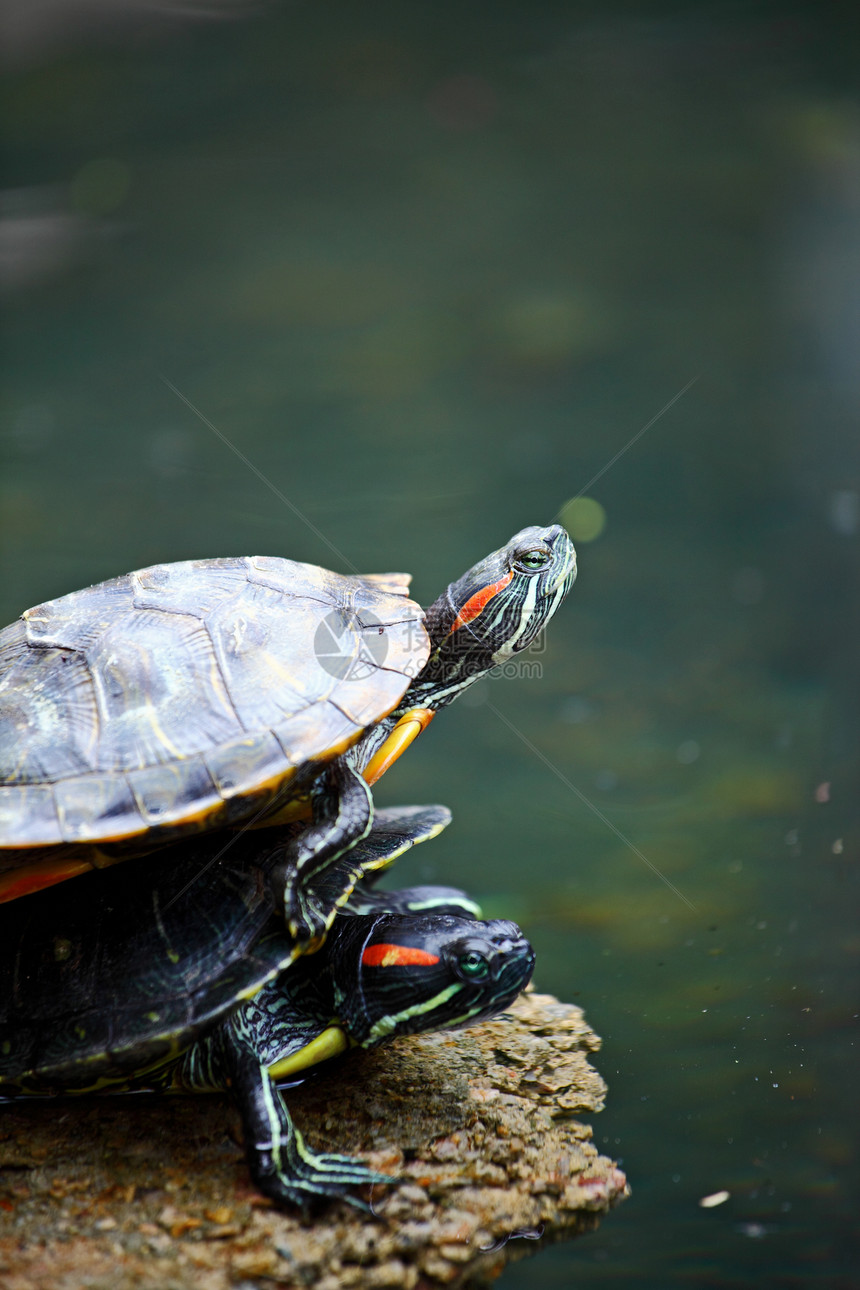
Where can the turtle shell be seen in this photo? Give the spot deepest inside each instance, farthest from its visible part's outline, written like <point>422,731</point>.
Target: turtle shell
<point>119,972</point>
<point>186,696</point>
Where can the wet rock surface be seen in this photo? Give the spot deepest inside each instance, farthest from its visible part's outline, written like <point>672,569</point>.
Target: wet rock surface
<point>479,1127</point>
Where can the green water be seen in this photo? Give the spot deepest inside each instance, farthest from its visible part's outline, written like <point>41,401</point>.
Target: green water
<point>429,268</point>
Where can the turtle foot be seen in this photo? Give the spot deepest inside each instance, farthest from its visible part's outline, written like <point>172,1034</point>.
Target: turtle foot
<point>309,1178</point>
<point>306,922</point>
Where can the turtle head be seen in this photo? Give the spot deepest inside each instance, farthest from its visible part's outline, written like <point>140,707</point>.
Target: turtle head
<point>410,973</point>
<point>495,610</point>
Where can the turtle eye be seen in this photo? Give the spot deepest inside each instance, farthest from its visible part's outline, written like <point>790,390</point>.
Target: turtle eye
<point>473,966</point>
<point>531,561</point>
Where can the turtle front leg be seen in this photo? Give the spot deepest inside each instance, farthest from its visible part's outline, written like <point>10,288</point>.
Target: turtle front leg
<point>280,1162</point>
<point>318,871</point>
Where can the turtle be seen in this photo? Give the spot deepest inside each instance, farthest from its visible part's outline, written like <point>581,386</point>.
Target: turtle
<point>226,693</point>
<point>158,978</point>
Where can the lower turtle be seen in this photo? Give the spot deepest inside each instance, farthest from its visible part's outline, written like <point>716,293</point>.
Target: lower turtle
<point>180,977</point>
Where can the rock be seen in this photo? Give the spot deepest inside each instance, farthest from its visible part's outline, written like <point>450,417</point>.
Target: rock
<point>144,1192</point>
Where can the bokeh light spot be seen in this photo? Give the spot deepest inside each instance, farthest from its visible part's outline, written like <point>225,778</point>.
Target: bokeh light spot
<point>584,518</point>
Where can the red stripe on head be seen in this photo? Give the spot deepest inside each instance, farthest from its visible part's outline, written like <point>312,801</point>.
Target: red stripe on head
<point>383,955</point>
<point>481,598</point>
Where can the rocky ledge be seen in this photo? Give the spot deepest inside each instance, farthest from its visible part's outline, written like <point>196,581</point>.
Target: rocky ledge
<point>479,1126</point>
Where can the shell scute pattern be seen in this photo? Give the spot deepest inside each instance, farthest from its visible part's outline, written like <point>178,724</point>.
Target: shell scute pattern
<point>166,794</point>
<point>238,765</point>
<point>73,622</point>
<point>106,1000</point>
<point>157,704</point>
<point>100,1050</point>
<point>158,698</point>
<point>192,587</point>
<point>28,810</point>
<point>45,733</point>
<point>287,576</point>
<point>299,736</point>
<point>53,978</point>
<point>13,647</point>
<point>91,804</point>
<point>268,670</point>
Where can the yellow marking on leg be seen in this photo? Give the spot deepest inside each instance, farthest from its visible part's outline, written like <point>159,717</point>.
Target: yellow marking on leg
<point>408,729</point>
<point>330,1043</point>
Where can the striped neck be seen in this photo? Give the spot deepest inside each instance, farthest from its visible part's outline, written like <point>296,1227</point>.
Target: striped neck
<point>495,610</point>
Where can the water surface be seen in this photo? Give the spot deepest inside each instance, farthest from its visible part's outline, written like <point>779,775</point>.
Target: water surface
<point>429,270</point>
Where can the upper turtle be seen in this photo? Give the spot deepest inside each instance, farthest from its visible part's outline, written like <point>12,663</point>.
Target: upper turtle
<point>191,692</point>
<point>190,696</point>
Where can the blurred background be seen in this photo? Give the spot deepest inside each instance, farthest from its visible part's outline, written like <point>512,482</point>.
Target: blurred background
<point>430,269</point>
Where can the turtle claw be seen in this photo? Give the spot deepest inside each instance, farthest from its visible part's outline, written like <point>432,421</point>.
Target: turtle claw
<point>306,923</point>
<point>314,1179</point>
